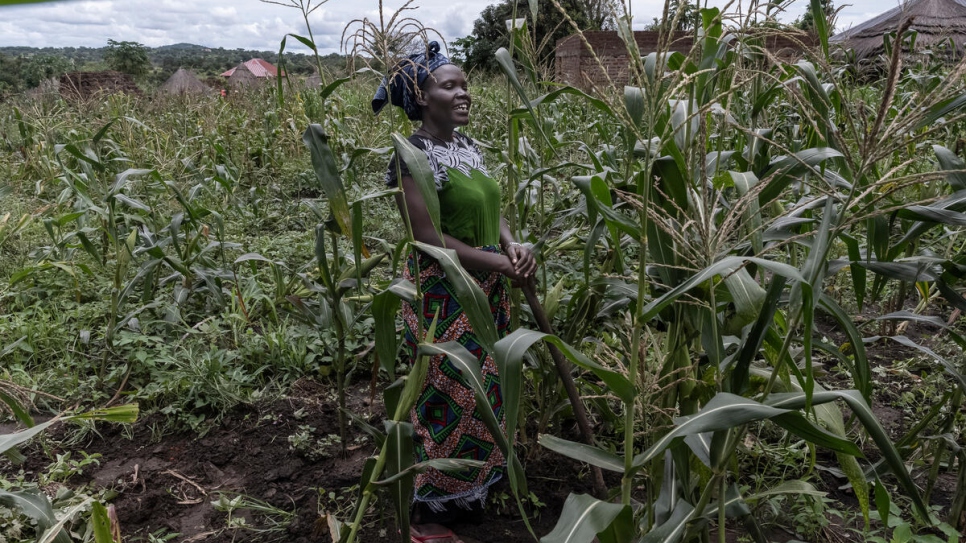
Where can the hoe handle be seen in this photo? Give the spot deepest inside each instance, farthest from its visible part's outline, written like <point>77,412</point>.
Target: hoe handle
<point>563,370</point>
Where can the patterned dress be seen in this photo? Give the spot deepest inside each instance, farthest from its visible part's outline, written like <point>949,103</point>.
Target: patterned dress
<point>447,424</point>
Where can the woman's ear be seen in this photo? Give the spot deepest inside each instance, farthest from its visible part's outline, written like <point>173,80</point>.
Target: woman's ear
<point>421,98</point>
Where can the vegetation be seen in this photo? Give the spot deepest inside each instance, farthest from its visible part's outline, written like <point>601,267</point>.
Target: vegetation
<point>127,57</point>
<point>26,67</point>
<point>549,25</point>
<point>725,242</point>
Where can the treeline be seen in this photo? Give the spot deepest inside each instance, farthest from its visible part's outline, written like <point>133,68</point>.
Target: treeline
<point>23,68</point>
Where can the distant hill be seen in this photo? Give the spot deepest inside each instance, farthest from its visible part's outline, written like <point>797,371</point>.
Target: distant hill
<point>165,60</point>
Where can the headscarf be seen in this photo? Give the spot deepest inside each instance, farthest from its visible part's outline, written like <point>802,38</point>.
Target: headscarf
<point>407,77</point>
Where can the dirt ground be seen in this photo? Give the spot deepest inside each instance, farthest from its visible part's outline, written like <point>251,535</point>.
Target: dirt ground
<point>167,484</point>
<point>283,455</point>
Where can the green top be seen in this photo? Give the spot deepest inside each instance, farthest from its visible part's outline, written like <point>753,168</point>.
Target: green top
<point>470,208</point>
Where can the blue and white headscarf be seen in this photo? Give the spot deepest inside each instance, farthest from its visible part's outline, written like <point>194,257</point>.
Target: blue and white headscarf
<point>407,76</point>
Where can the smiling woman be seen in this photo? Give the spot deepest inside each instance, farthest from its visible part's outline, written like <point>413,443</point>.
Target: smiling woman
<point>432,90</point>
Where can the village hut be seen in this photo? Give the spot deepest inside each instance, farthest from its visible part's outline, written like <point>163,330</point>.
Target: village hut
<point>241,78</point>
<point>937,22</point>
<point>261,69</point>
<point>184,82</point>
<point>313,81</point>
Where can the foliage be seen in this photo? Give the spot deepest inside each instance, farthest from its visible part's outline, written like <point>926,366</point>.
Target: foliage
<point>680,16</point>
<point>807,23</point>
<point>490,30</point>
<point>127,57</point>
<point>36,69</point>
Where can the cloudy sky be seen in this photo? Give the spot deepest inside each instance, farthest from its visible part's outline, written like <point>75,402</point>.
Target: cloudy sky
<point>253,24</point>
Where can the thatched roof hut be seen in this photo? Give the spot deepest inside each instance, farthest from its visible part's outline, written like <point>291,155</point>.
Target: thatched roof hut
<point>313,81</point>
<point>184,82</point>
<point>242,77</point>
<point>936,21</point>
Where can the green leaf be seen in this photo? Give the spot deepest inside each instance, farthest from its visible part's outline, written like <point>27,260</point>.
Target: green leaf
<point>933,215</point>
<point>674,528</point>
<point>101,524</point>
<point>821,25</point>
<point>723,411</point>
<point>36,506</point>
<point>399,458</point>
<point>794,487</point>
<point>422,175</point>
<point>951,162</point>
<point>882,502</point>
<point>939,110</point>
<point>385,306</point>
<point>440,464</point>
<point>744,183</point>
<point>746,293</point>
<point>9,441</point>
<point>582,518</point>
<point>862,411</point>
<point>326,171</point>
<point>724,266</point>
<point>553,95</point>
<point>583,453</point>
<point>505,62</point>
<point>861,373</point>
<point>16,409</point>
<point>786,169</point>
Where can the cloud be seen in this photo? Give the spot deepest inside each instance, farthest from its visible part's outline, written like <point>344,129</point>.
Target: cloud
<point>252,24</point>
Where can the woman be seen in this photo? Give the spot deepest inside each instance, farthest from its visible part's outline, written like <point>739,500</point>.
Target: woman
<point>432,90</point>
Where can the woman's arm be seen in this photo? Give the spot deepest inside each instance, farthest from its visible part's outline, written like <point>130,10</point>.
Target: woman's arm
<point>470,257</point>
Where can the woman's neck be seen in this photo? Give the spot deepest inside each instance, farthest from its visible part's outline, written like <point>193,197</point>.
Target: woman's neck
<point>436,132</point>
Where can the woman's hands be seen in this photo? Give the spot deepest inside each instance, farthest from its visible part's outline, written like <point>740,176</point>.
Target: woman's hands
<point>524,265</point>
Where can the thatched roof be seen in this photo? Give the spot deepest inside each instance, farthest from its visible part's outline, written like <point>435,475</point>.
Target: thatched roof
<point>184,82</point>
<point>241,77</point>
<point>313,81</point>
<point>935,21</point>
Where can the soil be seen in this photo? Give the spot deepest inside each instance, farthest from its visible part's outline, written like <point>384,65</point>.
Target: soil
<point>168,483</point>
<point>280,457</point>
<point>86,85</point>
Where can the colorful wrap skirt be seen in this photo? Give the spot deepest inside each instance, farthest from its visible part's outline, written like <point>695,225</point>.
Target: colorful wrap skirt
<point>446,422</point>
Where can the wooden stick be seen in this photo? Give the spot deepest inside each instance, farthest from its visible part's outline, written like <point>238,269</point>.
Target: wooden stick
<point>563,370</point>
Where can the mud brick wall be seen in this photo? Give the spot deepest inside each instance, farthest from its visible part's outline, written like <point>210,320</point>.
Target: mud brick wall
<point>575,65</point>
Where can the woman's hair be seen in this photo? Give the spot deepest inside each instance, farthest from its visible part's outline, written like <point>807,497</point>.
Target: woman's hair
<point>407,79</point>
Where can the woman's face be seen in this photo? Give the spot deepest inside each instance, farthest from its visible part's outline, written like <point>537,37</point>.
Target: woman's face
<point>445,100</point>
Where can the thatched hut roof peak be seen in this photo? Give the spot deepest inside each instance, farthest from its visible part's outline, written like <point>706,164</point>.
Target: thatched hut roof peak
<point>934,21</point>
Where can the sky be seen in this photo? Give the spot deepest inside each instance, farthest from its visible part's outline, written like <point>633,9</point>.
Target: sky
<point>257,25</point>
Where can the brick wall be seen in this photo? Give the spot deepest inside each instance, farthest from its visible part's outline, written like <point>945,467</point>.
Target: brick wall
<point>575,65</point>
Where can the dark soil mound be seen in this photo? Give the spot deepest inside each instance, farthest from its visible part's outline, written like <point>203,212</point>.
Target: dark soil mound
<point>85,85</point>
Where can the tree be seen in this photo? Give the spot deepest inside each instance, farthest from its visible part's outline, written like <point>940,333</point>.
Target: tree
<point>490,31</point>
<point>39,68</point>
<point>689,19</point>
<point>128,57</point>
<point>9,68</point>
<point>807,21</point>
